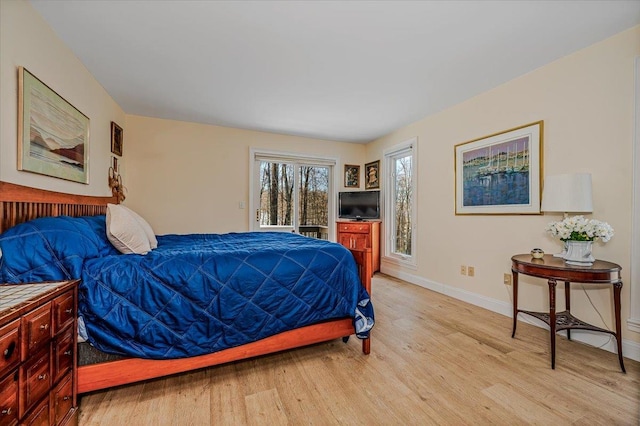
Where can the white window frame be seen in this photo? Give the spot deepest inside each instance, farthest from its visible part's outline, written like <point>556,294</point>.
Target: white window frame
<point>633,322</point>
<point>256,155</point>
<point>408,146</point>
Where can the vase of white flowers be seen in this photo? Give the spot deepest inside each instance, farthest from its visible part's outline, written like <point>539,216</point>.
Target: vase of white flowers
<point>579,234</point>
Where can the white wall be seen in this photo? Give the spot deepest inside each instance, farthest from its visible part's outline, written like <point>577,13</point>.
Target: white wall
<point>27,40</point>
<point>586,101</point>
<point>187,177</point>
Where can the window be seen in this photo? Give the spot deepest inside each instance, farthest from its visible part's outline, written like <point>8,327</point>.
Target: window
<point>292,194</point>
<point>400,202</point>
<point>634,321</point>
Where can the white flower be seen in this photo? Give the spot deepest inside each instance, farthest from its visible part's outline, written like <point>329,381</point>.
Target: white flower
<point>580,229</point>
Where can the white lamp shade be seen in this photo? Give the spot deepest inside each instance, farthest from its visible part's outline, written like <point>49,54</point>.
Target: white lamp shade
<point>567,193</point>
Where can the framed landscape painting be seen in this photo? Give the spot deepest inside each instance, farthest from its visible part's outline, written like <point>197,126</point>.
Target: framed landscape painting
<point>500,173</point>
<point>53,136</point>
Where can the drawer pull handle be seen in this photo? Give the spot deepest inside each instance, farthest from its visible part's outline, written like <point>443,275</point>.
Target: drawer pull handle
<point>68,353</point>
<point>42,376</point>
<point>68,310</point>
<point>44,326</point>
<point>9,351</point>
<point>6,411</point>
<point>66,398</point>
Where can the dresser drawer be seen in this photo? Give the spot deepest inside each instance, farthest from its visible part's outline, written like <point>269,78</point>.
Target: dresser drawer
<point>9,400</point>
<point>39,416</point>
<point>35,380</point>
<point>63,354</point>
<point>354,227</point>
<point>9,346</point>
<point>38,326</point>
<point>62,399</point>
<point>63,311</point>
<point>36,329</point>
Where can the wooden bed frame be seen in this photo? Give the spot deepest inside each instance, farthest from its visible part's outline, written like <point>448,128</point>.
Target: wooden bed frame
<point>20,203</point>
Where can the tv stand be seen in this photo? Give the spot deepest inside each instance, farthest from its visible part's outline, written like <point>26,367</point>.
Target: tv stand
<point>361,234</point>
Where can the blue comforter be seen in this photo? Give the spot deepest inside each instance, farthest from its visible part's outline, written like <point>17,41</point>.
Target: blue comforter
<point>194,294</point>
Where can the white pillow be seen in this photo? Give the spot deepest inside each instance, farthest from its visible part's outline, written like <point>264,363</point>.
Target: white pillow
<point>151,236</point>
<point>125,232</point>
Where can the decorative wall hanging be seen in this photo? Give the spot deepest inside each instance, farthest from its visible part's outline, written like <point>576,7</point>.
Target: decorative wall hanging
<point>115,181</point>
<point>500,173</point>
<point>116,139</point>
<point>53,136</point>
<point>351,176</point>
<point>372,175</point>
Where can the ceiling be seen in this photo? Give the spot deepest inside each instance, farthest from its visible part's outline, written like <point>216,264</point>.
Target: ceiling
<point>340,70</point>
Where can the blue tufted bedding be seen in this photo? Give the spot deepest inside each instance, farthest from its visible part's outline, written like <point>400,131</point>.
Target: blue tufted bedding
<point>194,294</point>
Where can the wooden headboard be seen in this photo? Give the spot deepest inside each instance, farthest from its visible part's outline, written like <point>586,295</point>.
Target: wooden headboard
<point>21,203</point>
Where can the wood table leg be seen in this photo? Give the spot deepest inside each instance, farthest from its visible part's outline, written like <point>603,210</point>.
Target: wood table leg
<point>617,287</point>
<point>552,320</point>
<point>515,302</point>
<point>567,302</point>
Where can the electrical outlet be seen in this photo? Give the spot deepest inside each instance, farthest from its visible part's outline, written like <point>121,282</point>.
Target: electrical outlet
<point>507,279</point>
<point>463,270</point>
<point>471,271</point>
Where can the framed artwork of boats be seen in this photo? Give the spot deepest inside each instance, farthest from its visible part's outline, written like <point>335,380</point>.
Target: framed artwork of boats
<point>53,136</point>
<point>500,173</point>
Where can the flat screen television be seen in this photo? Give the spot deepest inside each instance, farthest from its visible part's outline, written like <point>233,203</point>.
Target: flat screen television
<point>359,205</point>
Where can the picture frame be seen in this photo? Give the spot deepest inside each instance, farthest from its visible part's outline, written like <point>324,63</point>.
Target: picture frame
<point>372,175</point>
<point>500,173</point>
<point>53,135</point>
<point>116,139</point>
<point>351,176</point>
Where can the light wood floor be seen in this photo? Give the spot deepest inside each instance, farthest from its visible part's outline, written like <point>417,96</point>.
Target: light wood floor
<point>434,360</point>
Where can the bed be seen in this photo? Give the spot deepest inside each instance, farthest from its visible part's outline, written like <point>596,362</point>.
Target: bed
<point>20,204</point>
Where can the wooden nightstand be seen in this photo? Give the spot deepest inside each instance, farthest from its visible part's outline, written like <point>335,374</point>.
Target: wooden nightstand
<point>38,338</point>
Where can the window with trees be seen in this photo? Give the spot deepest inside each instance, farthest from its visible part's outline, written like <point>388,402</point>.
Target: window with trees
<point>292,194</point>
<point>400,208</point>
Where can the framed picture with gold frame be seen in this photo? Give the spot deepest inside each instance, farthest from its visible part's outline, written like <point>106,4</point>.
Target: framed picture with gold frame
<point>500,173</point>
<point>351,176</point>
<point>372,175</point>
<point>53,136</point>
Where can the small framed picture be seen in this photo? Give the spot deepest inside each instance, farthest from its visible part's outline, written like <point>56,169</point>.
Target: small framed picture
<point>116,139</point>
<point>372,175</point>
<point>351,176</point>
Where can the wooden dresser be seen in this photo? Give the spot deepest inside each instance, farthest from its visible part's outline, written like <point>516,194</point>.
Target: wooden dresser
<point>38,337</point>
<point>361,235</point>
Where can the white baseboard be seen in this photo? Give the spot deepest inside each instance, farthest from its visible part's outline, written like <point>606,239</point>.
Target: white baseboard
<point>633,324</point>
<point>630,349</point>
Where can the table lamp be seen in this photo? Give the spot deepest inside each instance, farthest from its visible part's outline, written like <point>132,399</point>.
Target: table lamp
<point>567,193</point>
